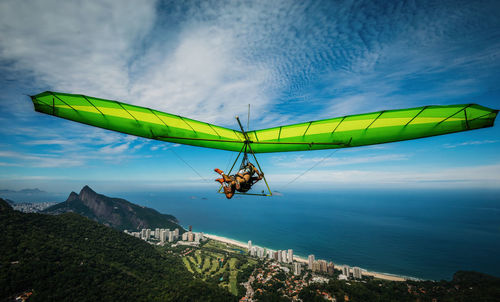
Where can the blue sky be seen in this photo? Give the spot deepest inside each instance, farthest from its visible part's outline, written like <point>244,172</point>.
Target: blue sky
<point>293,61</point>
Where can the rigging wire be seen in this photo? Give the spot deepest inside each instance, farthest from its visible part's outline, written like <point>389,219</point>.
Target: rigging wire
<point>178,156</point>
<point>314,166</point>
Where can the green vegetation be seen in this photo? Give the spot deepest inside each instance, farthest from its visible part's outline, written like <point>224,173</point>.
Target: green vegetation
<point>465,286</point>
<point>220,264</point>
<point>69,257</point>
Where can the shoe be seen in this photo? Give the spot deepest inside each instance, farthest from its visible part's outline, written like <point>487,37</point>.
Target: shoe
<point>218,171</point>
<point>220,180</point>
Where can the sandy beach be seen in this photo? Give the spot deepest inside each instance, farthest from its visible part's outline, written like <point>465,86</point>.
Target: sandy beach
<point>304,260</point>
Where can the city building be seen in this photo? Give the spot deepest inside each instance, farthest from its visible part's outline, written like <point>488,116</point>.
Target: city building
<point>330,268</point>
<point>280,256</point>
<point>249,245</point>
<point>283,256</point>
<point>190,236</point>
<point>260,252</point>
<point>171,236</point>
<point>346,271</point>
<point>316,267</point>
<point>322,266</point>
<point>297,268</point>
<point>270,254</point>
<point>289,257</point>
<point>310,261</point>
<point>184,236</point>
<point>163,236</point>
<point>357,272</point>
<point>176,233</point>
<point>157,233</point>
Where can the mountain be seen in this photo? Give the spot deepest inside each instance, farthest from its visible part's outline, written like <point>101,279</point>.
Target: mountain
<point>5,206</point>
<point>114,212</point>
<point>26,191</point>
<point>68,257</point>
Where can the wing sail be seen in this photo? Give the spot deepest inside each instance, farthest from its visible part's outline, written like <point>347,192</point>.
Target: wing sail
<point>342,132</point>
<point>373,128</point>
<point>138,121</point>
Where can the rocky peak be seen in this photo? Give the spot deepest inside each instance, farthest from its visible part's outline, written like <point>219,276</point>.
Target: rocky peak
<point>87,193</point>
<point>72,196</point>
<point>115,212</point>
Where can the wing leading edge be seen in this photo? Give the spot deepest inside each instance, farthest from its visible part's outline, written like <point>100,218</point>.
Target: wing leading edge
<point>342,132</point>
<point>138,121</point>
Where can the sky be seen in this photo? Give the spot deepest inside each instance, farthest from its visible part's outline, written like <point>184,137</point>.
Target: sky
<point>292,61</point>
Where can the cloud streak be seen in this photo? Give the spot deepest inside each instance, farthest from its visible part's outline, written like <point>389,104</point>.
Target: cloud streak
<point>486,176</point>
<point>301,161</point>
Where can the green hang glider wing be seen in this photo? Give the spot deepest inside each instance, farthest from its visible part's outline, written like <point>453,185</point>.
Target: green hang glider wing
<point>348,131</point>
<point>138,121</point>
<point>373,128</point>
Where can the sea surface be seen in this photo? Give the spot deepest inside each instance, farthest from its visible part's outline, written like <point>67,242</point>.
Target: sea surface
<point>424,234</point>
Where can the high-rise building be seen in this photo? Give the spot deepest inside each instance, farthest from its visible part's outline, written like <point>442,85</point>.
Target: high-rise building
<point>184,236</point>
<point>270,254</point>
<point>190,236</point>
<point>143,234</point>
<point>289,257</point>
<point>357,272</point>
<point>310,261</point>
<point>163,236</point>
<point>176,233</point>
<point>346,270</point>
<point>171,236</point>
<point>157,233</point>
<point>260,252</point>
<point>322,266</point>
<point>249,245</point>
<point>283,256</point>
<point>316,267</point>
<point>297,268</point>
<point>280,256</point>
<point>330,268</point>
<point>197,237</point>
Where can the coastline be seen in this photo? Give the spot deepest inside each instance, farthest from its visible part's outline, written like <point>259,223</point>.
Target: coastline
<point>378,275</point>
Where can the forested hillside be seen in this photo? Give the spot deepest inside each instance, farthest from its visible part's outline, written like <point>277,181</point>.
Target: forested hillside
<point>71,258</point>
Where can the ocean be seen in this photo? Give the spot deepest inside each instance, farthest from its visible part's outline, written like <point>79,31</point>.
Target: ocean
<point>423,234</point>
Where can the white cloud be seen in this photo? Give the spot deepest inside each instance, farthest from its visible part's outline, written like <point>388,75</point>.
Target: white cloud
<point>202,78</point>
<point>487,176</point>
<point>75,47</point>
<point>471,143</point>
<point>41,161</point>
<point>114,149</point>
<point>302,161</point>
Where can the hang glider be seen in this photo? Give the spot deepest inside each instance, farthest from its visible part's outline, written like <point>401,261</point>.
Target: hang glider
<point>341,132</point>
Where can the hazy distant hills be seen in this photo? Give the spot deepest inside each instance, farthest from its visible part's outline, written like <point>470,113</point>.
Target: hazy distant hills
<point>68,257</point>
<point>26,191</point>
<point>114,212</point>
